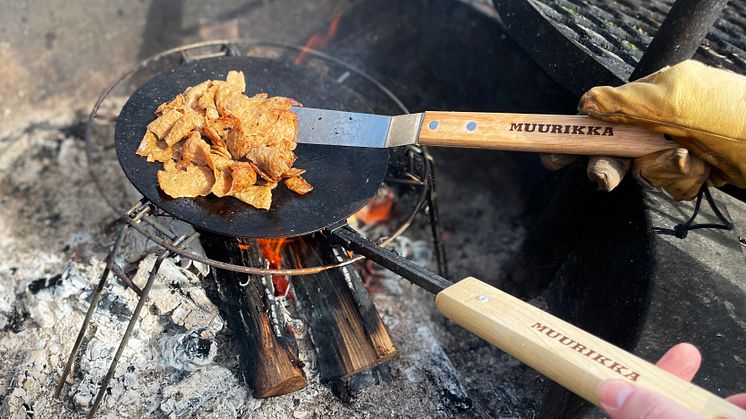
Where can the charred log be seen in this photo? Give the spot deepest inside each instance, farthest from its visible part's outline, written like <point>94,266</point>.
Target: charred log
<point>347,388</point>
<point>345,327</point>
<point>267,352</point>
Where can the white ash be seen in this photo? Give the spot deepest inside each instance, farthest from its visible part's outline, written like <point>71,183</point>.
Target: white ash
<point>177,294</point>
<point>182,399</point>
<point>180,361</point>
<point>56,232</point>
<point>187,351</point>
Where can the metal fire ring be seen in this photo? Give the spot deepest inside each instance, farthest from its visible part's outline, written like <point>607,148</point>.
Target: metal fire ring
<point>144,212</point>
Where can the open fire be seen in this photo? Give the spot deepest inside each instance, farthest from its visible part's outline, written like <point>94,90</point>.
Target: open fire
<point>272,251</point>
<point>331,307</point>
<point>378,210</point>
<point>318,40</point>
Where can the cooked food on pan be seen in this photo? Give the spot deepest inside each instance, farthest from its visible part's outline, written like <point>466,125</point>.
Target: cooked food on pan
<point>213,139</point>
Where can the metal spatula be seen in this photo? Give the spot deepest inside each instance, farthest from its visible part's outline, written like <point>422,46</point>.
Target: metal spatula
<point>568,134</point>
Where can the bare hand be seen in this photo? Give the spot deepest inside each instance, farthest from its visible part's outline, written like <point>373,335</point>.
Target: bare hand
<point>624,400</point>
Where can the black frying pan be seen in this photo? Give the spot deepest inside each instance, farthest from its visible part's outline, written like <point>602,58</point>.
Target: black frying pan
<point>344,178</point>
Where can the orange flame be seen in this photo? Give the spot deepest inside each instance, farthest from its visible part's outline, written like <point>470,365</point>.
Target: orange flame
<point>272,250</point>
<point>319,40</point>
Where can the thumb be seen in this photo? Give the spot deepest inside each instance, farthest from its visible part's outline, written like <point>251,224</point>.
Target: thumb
<point>623,400</point>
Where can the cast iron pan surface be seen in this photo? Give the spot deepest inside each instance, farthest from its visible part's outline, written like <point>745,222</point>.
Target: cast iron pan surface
<point>344,178</point>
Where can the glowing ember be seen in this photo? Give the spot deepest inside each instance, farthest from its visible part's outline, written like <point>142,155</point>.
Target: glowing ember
<point>378,209</point>
<point>319,40</point>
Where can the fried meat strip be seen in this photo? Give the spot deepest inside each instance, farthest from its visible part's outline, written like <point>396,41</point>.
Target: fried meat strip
<point>257,196</point>
<point>222,185</point>
<point>298,185</point>
<point>206,103</point>
<point>236,80</point>
<point>154,149</point>
<point>238,142</point>
<point>189,183</point>
<point>242,176</point>
<point>188,122</point>
<point>193,94</point>
<point>162,125</point>
<point>177,103</point>
<point>271,162</point>
<point>195,151</point>
<point>213,138</point>
<point>293,171</point>
<point>217,130</point>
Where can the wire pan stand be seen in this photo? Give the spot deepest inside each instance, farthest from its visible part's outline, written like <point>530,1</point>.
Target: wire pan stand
<point>142,218</point>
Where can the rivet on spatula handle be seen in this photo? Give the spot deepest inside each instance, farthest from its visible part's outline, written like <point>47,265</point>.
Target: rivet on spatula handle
<point>565,134</point>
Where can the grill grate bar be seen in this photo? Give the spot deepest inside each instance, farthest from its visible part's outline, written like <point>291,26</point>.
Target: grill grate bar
<point>620,31</point>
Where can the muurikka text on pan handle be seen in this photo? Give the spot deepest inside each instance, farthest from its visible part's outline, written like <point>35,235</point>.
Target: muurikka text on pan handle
<point>567,354</point>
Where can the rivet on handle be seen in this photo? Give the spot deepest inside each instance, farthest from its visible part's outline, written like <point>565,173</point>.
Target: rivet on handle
<point>433,125</point>
<point>471,126</point>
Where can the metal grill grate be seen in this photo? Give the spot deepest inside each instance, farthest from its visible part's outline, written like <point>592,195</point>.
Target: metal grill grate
<point>617,32</point>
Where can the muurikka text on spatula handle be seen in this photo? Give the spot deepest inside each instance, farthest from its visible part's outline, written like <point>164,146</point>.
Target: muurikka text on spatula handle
<point>566,134</point>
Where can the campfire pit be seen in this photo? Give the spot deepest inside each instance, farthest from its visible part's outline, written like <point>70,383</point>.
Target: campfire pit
<point>331,305</point>
<point>424,78</point>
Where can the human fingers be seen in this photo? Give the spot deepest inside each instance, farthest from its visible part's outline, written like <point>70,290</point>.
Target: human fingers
<point>622,400</point>
<point>682,360</point>
<point>555,161</point>
<point>738,399</point>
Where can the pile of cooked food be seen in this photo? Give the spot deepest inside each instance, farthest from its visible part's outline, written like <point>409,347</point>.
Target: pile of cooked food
<point>213,139</point>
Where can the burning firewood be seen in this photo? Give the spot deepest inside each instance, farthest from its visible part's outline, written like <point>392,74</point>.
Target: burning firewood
<point>333,307</point>
<point>336,301</point>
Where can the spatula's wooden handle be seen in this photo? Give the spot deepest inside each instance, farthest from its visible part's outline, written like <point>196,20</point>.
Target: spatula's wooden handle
<point>567,134</point>
<point>568,355</point>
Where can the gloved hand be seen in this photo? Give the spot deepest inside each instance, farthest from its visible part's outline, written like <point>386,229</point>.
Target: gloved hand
<point>702,108</point>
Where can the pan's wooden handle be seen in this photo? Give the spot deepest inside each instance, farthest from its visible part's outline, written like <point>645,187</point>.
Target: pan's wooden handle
<point>567,134</point>
<point>568,355</point>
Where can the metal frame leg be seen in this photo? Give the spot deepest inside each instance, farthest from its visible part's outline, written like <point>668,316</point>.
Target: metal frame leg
<point>436,227</point>
<point>91,309</point>
<point>133,216</point>
<point>127,333</point>
<point>183,240</point>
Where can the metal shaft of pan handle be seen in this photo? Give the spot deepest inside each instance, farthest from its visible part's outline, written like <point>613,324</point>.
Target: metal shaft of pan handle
<point>414,273</point>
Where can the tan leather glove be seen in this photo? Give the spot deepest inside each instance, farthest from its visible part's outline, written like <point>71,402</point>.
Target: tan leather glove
<point>702,108</point>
